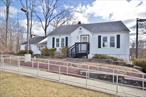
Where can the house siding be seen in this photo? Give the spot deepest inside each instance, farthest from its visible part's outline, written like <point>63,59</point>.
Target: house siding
<point>49,43</point>
<point>33,47</point>
<point>122,52</point>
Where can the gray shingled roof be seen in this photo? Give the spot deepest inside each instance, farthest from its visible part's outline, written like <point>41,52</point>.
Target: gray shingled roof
<point>35,40</point>
<point>115,26</point>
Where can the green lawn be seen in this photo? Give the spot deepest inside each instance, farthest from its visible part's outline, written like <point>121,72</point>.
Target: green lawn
<point>13,85</point>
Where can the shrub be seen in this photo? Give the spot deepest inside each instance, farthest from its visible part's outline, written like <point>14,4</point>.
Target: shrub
<point>64,52</point>
<point>48,52</point>
<point>45,52</point>
<point>23,52</point>
<point>100,56</point>
<point>52,52</point>
<point>141,63</point>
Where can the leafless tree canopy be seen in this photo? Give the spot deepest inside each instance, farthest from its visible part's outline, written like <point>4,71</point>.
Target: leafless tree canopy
<point>7,5</point>
<point>51,13</point>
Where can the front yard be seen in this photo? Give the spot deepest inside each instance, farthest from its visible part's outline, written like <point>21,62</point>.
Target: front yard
<point>13,85</point>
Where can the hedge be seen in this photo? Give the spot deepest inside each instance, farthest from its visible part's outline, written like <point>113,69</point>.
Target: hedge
<point>141,63</point>
<point>23,52</point>
<point>48,52</point>
<point>101,56</point>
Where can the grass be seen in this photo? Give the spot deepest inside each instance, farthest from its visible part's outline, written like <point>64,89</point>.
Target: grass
<point>13,85</point>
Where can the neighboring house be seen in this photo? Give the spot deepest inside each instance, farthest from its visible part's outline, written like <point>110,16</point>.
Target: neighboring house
<point>109,38</point>
<point>36,44</point>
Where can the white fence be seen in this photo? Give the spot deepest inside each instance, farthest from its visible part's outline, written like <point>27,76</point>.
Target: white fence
<point>77,74</point>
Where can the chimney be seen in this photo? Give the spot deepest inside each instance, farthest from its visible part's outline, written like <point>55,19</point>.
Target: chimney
<point>79,22</point>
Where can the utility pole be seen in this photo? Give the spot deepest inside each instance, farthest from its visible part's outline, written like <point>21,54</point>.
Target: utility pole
<point>137,21</point>
<point>27,56</point>
<point>27,16</point>
<point>136,38</point>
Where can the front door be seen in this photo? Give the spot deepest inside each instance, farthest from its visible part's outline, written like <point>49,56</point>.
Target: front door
<point>84,38</point>
<point>84,47</point>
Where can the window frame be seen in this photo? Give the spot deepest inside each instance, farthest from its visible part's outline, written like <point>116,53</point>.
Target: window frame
<point>63,42</point>
<point>57,42</point>
<point>103,42</point>
<point>85,35</point>
<point>110,42</point>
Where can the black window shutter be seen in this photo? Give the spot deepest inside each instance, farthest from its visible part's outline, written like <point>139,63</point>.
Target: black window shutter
<point>66,41</point>
<point>118,41</point>
<point>99,41</point>
<point>53,42</point>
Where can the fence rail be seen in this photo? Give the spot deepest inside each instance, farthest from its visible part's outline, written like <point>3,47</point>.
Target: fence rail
<point>59,69</point>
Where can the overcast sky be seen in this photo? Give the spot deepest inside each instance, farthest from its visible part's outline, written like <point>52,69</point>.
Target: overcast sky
<point>93,11</point>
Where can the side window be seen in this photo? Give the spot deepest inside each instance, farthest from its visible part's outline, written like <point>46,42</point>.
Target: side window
<point>99,41</point>
<point>112,41</point>
<point>104,41</point>
<point>62,42</point>
<point>57,42</point>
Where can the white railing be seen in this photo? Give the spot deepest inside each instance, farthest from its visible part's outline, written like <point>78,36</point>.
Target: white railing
<point>85,75</point>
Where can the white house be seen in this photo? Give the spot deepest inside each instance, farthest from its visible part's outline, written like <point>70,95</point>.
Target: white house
<point>109,38</point>
<point>36,44</point>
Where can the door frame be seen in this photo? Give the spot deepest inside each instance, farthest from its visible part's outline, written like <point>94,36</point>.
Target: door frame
<point>85,35</point>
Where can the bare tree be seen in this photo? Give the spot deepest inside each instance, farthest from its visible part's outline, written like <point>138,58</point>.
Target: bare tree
<point>7,4</point>
<point>49,12</point>
<point>62,19</point>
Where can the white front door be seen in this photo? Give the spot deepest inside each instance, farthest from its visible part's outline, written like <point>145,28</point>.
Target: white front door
<point>84,38</point>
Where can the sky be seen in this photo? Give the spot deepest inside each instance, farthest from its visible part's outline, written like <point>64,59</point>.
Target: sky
<point>92,11</point>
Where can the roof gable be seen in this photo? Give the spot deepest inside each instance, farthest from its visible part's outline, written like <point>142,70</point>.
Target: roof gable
<point>35,40</point>
<point>63,30</point>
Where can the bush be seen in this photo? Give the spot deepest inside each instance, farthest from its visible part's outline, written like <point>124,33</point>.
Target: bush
<point>141,63</point>
<point>52,52</point>
<point>100,56</point>
<point>48,52</point>
<point>64,52</point>
<point>45,52</point>
<point>23,52</point>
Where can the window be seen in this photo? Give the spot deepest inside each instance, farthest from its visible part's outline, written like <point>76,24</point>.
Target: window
<point>62,42</point>
<point>112,41</point>
<point>84,38</point>
<point>57,42</point>
<point>105,42</point>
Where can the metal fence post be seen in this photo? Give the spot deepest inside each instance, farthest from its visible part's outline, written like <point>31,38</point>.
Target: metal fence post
<point>117,83</point>
<point>10,60</point>
<point>38,69</point>
<point>32,64</point>
<point>143,81</point>
<point>59,72</point>
<point>48,65</point>
<point>1,59</point>
<point>3,63</point>
<point>18,60</point>
<point>67,68</point>
<point>87,76</point>
<point>113,76</point>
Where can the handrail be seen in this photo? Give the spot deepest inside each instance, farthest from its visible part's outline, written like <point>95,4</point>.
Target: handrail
<point>78,49</point>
